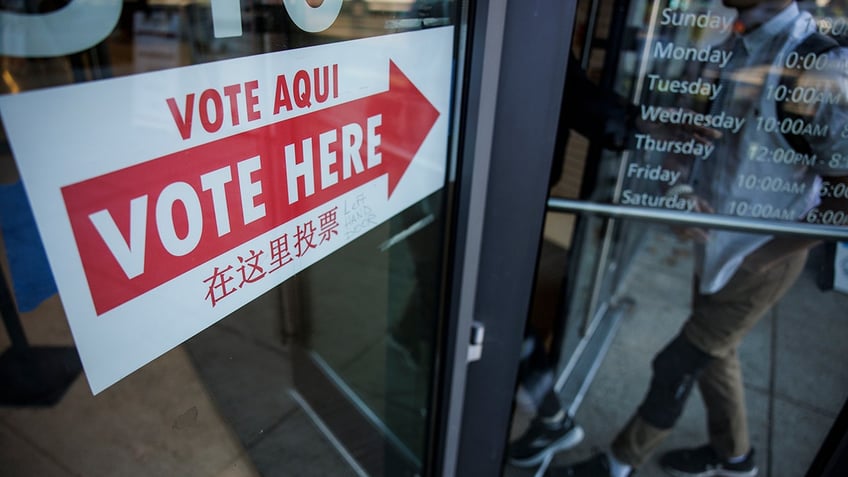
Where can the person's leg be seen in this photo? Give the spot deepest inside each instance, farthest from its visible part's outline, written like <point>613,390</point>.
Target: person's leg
<point>724,399</point>
<point>552,429</point>
<point>709,339</point>
<point>536,377</point>
<point>718,323</point>
<point>635,442</point>
<point>676,369</point>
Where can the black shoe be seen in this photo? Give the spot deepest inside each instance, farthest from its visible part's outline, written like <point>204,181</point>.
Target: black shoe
<point>704,462</point>
<point>542,439</point>
<point>596,466</point>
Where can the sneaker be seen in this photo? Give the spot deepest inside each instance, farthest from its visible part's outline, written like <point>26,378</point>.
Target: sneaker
<point>542,439</point>
<point>704,462</point>
<point>596,466</point>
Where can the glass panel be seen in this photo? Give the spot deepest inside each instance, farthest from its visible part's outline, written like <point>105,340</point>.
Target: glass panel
<point>332,371</point>
<point>732,115</point>
<point>383,317</point>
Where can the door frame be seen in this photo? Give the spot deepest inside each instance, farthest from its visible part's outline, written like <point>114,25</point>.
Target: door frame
<point>516,76</point>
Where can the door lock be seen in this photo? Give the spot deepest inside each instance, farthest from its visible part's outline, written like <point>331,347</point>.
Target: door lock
<point>475,342</point>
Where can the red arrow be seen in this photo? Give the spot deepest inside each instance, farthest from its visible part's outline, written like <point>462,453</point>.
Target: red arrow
<point>401,118</point>
<point>407,119</point>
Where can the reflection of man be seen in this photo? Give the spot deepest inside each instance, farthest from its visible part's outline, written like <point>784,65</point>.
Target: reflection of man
<point>606,118</point>
<point>739,276</point>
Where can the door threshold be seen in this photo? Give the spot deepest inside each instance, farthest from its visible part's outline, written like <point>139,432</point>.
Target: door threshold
<point>573,382</point>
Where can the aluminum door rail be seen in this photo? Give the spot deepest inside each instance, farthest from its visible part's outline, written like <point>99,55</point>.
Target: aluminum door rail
<point>726,222</point>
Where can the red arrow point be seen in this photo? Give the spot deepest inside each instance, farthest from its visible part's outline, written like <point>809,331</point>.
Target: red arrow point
<point>410,117</point>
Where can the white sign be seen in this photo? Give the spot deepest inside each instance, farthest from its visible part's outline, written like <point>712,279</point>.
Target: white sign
<point>168,200</point>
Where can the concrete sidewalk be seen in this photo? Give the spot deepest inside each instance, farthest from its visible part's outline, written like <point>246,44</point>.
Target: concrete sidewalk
<point>793,363</point>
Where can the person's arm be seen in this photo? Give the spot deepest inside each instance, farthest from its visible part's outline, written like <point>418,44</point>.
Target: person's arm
<point>594,113</point>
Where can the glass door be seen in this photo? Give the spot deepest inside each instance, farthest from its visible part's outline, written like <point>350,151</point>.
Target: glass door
<point>708,190</point>
<point>373,342</point>
<point>249,213</point>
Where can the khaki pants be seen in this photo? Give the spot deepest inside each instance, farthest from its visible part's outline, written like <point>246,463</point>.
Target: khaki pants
<point>716,327</point>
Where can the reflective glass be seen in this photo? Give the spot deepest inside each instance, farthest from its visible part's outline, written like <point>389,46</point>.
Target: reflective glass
<point>326,371</point>
<point>709,310</point>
